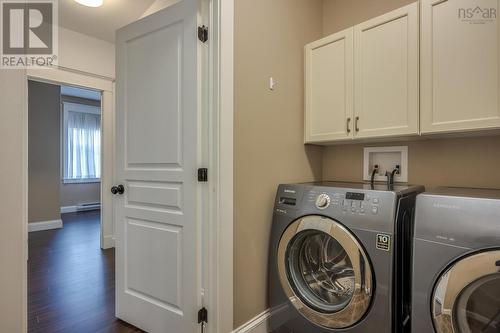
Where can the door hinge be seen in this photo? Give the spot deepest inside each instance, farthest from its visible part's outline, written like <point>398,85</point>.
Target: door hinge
<point>203,33</point>
<point>203,316</point>
<point>202,174</point>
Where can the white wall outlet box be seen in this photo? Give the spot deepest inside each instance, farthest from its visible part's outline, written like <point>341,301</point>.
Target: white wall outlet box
<point>386,158</point>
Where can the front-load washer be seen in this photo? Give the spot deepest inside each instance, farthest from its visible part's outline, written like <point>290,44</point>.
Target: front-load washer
<point>456,267</point>
<point>332,258</point>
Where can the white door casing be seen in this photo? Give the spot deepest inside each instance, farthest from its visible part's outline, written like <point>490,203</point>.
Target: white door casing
<point>157,129</point>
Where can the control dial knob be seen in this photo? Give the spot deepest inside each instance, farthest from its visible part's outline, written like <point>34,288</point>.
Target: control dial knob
<point>322,201</point>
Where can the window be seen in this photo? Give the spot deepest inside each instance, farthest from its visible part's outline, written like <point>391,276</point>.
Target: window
<point>81,143</point>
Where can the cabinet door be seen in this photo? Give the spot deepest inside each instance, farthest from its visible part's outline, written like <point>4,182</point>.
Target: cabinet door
<point>460,65</point>
<point>328,85</point>
<point>386,74</point>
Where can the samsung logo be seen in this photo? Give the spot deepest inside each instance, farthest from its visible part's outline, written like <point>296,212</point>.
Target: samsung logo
<point>289,191</point>
<point>445,206</point>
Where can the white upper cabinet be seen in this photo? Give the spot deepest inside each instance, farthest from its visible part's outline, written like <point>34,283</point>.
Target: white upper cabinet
<point>386,74</point>
<point>328,88</point>
<point>460,72</point>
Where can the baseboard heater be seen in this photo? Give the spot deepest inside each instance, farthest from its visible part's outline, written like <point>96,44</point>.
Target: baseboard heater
<point>88,206</point>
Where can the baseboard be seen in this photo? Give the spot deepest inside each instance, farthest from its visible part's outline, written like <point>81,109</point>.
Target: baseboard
<point>74,209</point>
<point>108,242</point>
<point>45,225</point>
<point>258,324</point>
<point>68,209</point>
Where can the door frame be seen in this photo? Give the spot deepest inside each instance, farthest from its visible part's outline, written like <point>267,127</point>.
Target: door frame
<point>217,274</point>
<point>61,76</point>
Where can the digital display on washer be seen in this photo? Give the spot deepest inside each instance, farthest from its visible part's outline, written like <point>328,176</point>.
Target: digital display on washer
<point>355,196</point>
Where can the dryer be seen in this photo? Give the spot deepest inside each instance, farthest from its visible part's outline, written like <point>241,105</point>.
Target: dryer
<point>456,266</point>
<point>332,258</point>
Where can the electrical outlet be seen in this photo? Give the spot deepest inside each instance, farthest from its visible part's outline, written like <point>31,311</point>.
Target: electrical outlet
<point>387,159</point>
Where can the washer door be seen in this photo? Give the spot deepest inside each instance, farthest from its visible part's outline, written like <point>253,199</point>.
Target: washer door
<point>466,298</point>
<point>325,272</point>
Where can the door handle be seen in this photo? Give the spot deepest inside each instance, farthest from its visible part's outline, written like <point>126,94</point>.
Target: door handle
<point>120,189</point>
<point>348,125</point>
<point>356,124</point>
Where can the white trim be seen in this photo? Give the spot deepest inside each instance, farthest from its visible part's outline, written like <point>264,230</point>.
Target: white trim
<point>219,293</point>
<point>83,108</point>
<point>24,205</point>
<point>70,78</point>
<point>108,242</point>
<point>82,181</point>
<point>258,324</point>
<point>74,209</point>
<point>45,225</point>
<point>107,164</point>
<point>68,209</point>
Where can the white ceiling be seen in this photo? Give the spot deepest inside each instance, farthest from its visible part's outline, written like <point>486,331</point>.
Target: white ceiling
<point>101,22</point>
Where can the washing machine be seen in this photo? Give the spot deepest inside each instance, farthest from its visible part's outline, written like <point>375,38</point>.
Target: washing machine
<point>334,254</point>
<point>456,267</point>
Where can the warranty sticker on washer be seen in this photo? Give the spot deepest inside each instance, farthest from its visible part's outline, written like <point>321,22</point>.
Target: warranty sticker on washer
<point>383,242</point>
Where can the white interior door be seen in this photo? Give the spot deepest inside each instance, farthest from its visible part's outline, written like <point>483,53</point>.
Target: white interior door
<point>157,246</point>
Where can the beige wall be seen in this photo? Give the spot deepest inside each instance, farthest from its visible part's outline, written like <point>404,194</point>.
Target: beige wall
<point>44,119</point>
<point>342,14</point>
<point>470,162</point>
<point>268,131</point>
<point>13,235</point>
<point>85,53</point>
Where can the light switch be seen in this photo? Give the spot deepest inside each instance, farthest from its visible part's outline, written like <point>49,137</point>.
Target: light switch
<point>272,83</point>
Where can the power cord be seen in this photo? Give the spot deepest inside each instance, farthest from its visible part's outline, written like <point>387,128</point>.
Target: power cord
<point>390,176</point>
<point>374,171</point>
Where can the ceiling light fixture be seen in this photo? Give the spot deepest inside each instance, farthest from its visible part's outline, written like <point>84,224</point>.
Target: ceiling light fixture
<point>90,3</point>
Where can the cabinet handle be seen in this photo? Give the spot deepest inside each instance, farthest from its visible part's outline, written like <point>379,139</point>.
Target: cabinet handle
<point>356,124</point>
<point>348,125</point>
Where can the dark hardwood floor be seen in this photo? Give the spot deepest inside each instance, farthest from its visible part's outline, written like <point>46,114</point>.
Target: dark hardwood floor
<point>71,281</point>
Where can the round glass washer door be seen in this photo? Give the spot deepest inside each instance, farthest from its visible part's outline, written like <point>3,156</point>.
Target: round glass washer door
<point>467,296</point>
<point>325,272</point>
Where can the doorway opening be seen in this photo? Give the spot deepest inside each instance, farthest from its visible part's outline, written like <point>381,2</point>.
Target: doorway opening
<point>70,277</point>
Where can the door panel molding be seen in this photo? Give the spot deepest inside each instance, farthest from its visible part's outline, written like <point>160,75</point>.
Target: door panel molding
<point>386,74</point>
<point>329,88</point>
<point>459,95</point>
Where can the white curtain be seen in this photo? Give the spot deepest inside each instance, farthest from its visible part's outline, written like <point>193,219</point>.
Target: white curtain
<point>83,146</point>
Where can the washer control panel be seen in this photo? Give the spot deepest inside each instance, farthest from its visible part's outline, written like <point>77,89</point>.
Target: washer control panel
<point>348,202</point>
<point>323,201</point>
